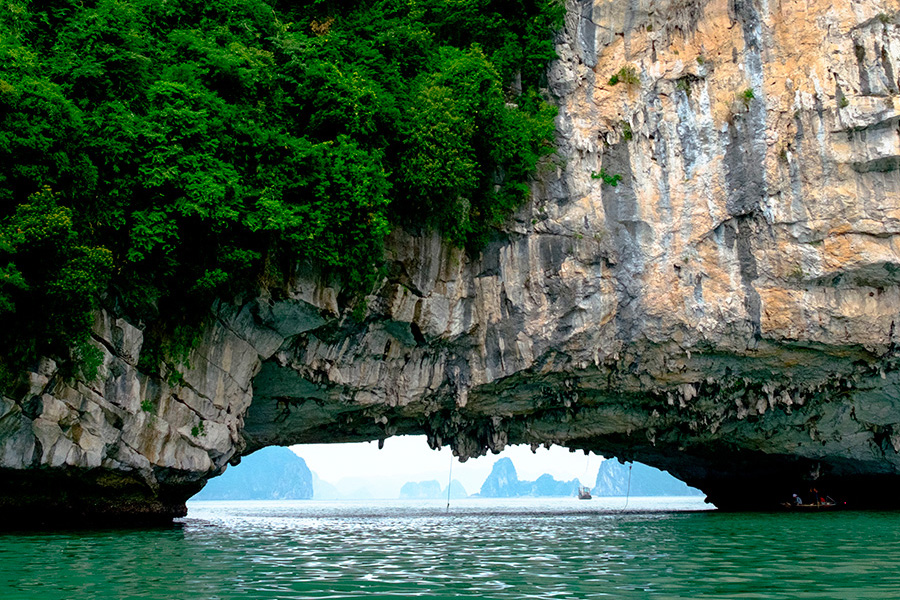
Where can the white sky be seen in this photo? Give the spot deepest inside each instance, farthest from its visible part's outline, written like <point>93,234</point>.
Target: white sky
<point>408,458</point>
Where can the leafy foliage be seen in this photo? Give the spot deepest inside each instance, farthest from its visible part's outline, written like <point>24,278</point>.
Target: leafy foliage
<point>627,75</point>
<point>611,180</point>
<point>47,285</point>
<point>159,155</point>
<point>747,95</point>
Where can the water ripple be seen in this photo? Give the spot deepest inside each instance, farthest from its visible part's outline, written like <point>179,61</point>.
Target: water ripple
<point>519,549</point>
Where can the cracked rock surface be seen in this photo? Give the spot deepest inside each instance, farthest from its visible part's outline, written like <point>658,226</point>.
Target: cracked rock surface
<point>727,311</point>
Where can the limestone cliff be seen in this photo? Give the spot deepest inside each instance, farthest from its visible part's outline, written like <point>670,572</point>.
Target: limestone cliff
<point>504,482</point>
<point>636,479</point>
<point>725,311</point>
<point>273,473</point>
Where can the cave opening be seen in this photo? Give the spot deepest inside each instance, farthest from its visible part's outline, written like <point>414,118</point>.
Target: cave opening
<point>405,468</point>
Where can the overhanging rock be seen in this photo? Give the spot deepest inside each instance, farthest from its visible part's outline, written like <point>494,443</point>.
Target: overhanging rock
<point>727,311</point>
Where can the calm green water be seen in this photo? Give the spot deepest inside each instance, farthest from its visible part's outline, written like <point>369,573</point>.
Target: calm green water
<point>482,549</point>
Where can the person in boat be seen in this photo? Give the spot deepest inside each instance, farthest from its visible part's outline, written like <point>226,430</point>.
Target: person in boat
<point>797,500</point>
<point>815,495</point>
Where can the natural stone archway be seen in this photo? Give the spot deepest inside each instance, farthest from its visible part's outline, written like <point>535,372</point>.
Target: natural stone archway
<point>726,312</point>
<point>747,430</point>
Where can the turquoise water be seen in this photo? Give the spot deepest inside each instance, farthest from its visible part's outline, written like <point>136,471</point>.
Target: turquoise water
<point>481,549</point>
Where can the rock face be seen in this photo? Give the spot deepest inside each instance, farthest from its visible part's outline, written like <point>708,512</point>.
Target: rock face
<point>421,489</point>
<point>126,445</point>
<point>431,490</point>
<point>727,311</point>
<point>503,482</point>
<point>636,479</point>
<point>273,473</point>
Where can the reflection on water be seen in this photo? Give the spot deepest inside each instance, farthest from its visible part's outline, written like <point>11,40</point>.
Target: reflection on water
<point>482,549</point>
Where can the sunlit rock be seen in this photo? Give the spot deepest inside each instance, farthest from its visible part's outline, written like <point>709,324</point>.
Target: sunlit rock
<point>727,311</point>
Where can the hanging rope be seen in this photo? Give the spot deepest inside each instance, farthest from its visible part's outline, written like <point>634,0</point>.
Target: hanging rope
<point>449,481</point>
<point>628,491</point>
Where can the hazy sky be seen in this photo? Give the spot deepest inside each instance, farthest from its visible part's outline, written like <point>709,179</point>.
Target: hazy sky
<point>408,458</point>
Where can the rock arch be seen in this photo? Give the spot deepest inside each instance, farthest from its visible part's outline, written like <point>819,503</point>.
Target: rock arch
<point>727,311</point>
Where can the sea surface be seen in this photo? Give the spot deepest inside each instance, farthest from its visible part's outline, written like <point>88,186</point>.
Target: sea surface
<point>480,548</point>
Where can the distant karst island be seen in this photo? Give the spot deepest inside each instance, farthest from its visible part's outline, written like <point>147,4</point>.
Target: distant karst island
<point>431,490</point>
<point>274,473</point>
<point>503,482</point>
<point>277,473</point>
<point>613,480</point>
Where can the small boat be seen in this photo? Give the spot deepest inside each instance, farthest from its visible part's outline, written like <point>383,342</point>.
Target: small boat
<point>584,493</point>
<point>813,507</point>
<point>821,503</point>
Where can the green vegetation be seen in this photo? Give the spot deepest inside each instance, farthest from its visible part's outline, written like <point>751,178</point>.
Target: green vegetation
<point>843,102</point>
<point>48,278</point>
<point>158,155</point>
<point>147,406</point>
<point>747,95</point>
<point>686,83</point>
<point>627,75</point>
<point>608,179</point>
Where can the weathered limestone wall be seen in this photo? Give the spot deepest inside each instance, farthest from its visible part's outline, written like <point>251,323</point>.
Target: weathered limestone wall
<point>124,443</point>
<point>775,212</point>
<point>726,311</point>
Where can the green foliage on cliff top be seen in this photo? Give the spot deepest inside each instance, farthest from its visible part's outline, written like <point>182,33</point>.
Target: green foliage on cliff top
<point>163,154</point>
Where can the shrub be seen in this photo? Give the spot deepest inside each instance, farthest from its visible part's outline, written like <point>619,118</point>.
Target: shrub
<point>608,179</point>
<point>627,75</point>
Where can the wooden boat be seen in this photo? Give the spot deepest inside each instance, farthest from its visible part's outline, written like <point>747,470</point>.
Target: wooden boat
<point>822,503</point>
<point>812,507</point>
<point>584,493</point>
